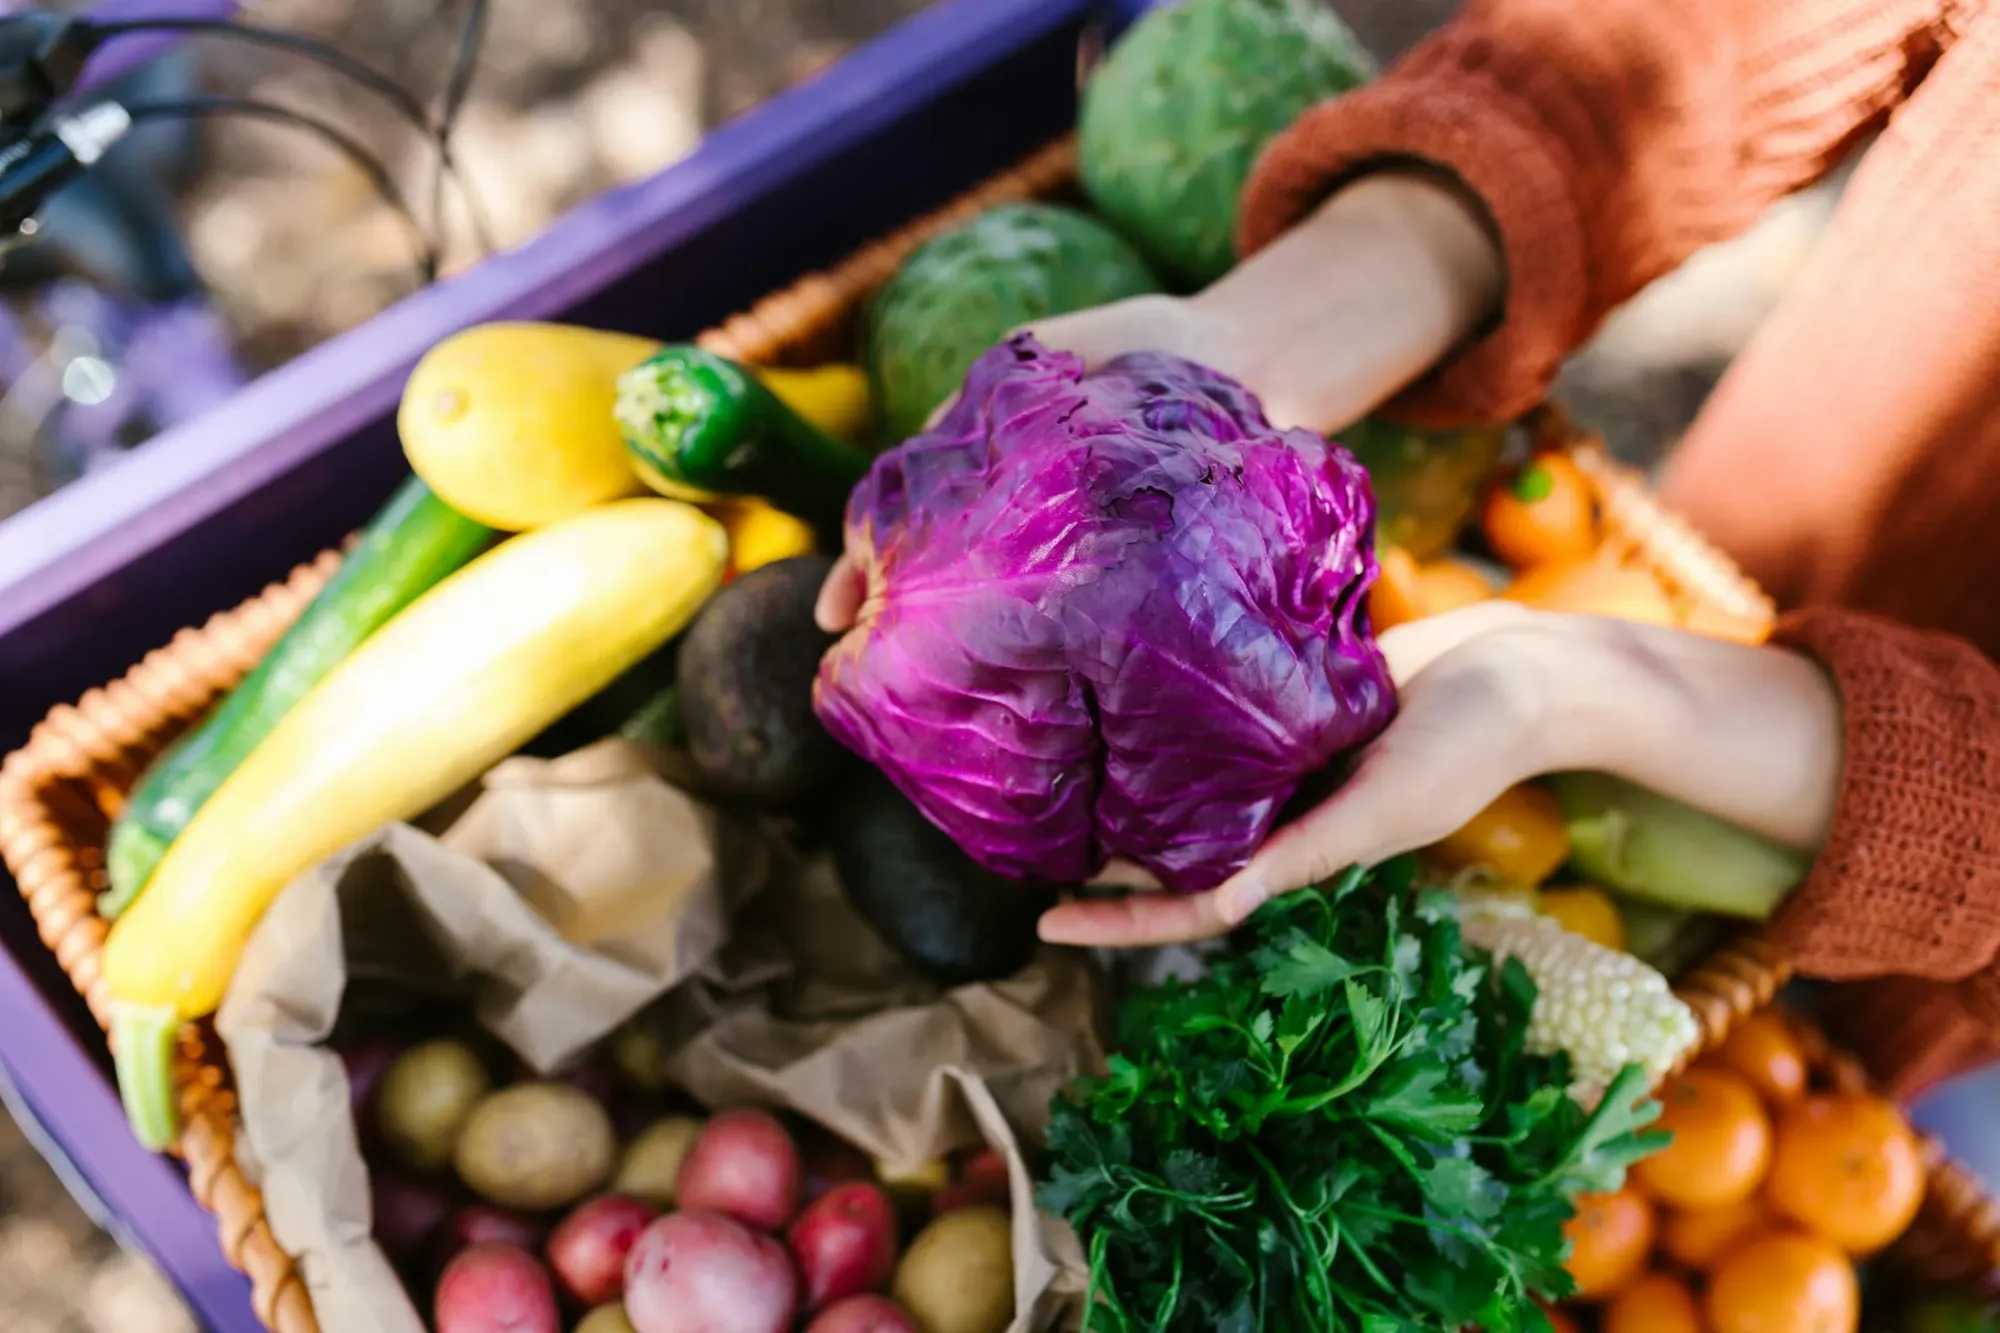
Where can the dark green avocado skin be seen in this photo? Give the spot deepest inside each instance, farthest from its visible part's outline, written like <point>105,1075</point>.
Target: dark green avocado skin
<point>746,678</point>
<point>952,921</point>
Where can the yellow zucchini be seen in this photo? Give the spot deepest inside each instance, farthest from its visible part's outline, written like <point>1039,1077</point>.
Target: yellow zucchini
<point>511,424</point>
<point>455,682</point>
<point>759,534</point>
<point>835,397</point>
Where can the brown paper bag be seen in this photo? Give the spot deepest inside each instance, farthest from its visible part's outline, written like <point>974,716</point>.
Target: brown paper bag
<point>807,1010</point>
<point>633,884</point>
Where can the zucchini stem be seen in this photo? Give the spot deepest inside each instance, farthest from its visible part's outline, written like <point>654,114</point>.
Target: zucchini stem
<point>144,1038</point>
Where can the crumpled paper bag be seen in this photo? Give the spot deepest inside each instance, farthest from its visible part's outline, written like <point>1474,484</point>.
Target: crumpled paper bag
<point>806,1009</point>
<point>563,899</point>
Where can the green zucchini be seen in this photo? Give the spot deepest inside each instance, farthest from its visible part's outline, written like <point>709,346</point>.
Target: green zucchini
<point>415,541</point>
<point>692,419</point>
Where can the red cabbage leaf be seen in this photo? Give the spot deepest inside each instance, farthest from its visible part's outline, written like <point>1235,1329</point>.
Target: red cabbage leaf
<point>1114,614</point>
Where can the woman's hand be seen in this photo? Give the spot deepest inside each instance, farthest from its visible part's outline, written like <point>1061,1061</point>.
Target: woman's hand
<point>1495,694</point>
<point>1348,307</point>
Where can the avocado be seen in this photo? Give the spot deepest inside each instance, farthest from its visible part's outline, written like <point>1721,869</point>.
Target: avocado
<point>951,920</point>
<point>746,679</point>
<point>965,290</point>
<point>1178,111</point>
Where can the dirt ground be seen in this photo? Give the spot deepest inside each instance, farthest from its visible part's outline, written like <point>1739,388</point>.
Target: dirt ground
<point>571,99</point>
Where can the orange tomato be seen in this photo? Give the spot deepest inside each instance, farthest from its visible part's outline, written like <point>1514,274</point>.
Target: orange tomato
<point>1544,514</point>
<point>1609,1239</point>
<point>1785,1282</point>
<point>1721,1144</point>
<point>1656,1303</point>
<point>1764,1050</point>
<point>1447,585</point>
<point>1521,837</point>
<point>1847,1167</point>
<point>1586,912</point>
<point>1397,596</point>
<point>1697,1238</point>
<point>1590,588</point>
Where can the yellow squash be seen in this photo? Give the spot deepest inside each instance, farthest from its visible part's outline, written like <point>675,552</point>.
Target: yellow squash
<point>455,682</point>
<point>758,533</point>
<point>511,424</point>
<point>835,397</point>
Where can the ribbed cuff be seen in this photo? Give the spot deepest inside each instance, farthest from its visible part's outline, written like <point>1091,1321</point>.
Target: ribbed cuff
<point>1517,173</point>
<point>1909,880</point>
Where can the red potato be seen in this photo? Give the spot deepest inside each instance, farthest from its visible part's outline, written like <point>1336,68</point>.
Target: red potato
<point>482,1224</point>
<point>588,1248</point>
<point>707,1273</point>
<point>496,1289</point>
<point>744,1165</point>
<point>845,1244</point>
<point>864,1314</point>
<point>407,1213</point>
<point>983,1180</point>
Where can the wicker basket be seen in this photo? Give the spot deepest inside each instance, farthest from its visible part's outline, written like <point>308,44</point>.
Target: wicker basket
<point>59,793</point>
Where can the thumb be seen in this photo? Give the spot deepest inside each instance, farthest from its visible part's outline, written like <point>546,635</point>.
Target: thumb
<point>840,597</point>
<point>1368,820</point>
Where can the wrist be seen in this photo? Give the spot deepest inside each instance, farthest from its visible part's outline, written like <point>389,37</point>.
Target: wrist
<point>1364,296</point>
<point>1589,706</point>
<point>1750,735</point>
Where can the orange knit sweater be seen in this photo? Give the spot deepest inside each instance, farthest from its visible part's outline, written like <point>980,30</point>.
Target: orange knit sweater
<point>1850,458</point>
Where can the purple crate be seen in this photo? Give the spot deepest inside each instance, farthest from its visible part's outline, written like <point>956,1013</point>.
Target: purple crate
<point>201,517</point>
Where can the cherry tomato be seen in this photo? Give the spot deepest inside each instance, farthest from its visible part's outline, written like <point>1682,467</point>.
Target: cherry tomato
<point>1544,514</point>
<point>1521,837</point>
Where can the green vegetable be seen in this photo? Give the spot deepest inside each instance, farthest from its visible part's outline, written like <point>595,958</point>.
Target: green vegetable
<point>964,291</point>
<point>1952,1314</point>
<point>658,723</point>
<point>1640,843</point>
<point>1426,482</point>
<point>694,419</point>
<point>1340,1127</point>
<point>410,545</point>
<point>1177,113</point>
<point>612,709</point>
<point>1669,939</point>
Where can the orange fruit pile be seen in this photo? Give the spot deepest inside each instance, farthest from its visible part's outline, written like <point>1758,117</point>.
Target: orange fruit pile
<point>1751,1220</point>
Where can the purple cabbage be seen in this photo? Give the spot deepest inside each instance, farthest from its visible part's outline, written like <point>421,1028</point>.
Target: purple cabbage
<point>1114,614</point>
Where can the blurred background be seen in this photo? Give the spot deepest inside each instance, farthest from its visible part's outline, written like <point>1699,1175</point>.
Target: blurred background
<point>292,245</point>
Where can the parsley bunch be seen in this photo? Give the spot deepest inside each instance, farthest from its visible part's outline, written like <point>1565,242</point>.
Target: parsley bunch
<point>1337,1128</point>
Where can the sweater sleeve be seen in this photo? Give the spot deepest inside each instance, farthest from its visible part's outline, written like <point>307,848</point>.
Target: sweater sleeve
<point>1607,142</point>
<point>1908,882</point>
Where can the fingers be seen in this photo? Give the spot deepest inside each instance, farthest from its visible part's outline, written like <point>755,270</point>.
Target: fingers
<point>1123,875</point>
<point>1364,822</point>
<point>840,597</point>
<point>1456,744</point>
<point>1103,333</point>
<point>1412,646</point>
<point>1137,921</point>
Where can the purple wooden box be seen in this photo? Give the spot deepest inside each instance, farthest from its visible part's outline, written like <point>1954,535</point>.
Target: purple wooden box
<point>197,520</point>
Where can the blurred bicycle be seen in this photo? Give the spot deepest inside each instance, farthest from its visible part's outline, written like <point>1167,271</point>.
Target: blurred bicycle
<point>107,336</point>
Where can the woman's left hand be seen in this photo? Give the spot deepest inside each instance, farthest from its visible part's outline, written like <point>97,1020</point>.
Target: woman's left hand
<point>1495,694</point>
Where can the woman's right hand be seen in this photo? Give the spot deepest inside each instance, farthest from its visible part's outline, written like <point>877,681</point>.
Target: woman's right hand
<point>1364,296</point>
